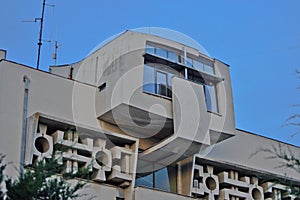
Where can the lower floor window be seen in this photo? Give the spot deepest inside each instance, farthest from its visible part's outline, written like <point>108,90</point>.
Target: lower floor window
<point>163,179</point>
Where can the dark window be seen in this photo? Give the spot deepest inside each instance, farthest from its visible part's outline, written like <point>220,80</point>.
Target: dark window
<point>162,179</point>
<point>102,87</point>
<point>195,76</point>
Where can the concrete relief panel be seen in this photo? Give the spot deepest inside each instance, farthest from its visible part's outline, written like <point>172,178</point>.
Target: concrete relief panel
<point>215,183</point>
<point>205,183</point>
<point>106,162</point>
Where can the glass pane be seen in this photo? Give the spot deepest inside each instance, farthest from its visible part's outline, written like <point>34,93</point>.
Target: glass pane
<point>180,59</point>
<point>209,69</point>
<point>172,56</point>
<point>198,65</point>
<point>146,181</point>
<point>211,98</point>
<point>195,76</point>
<point>161,83</point>
<point>161,52</point>
<point>162,180</point>
<point>149,49</point>
<point>149,80</point>
<point>169,90</point>
<point>189,62</point>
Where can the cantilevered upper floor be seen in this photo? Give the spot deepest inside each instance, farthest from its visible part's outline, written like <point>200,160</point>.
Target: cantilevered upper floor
<point>158,85</point>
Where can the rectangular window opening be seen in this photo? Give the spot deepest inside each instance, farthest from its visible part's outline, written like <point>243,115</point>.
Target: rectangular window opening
<point>157,81</point>
<point>158,76</point>
<point>211,98</point>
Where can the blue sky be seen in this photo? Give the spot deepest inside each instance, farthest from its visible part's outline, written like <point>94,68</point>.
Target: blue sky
<point>260,40</point>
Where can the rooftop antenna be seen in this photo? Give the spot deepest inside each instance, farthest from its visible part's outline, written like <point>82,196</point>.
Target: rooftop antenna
<point>54,55</point>
<point>40,32</point>
<point>40,35</point>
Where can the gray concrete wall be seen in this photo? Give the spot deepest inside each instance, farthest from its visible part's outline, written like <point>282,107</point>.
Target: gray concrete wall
<point>245,149</point>
<point>150,194</point>
<point>54,96</point>
<point>48,94</point>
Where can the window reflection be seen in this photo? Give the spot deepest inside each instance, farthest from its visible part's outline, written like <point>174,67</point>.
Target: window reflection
<point>211,98</point>
<point>194,63</point>
<point>209,69</point>
<point>198,65</point>
<point>146,181</point>
<point>161,52</point>
<point>163,179</point>
<point>189,62</point>
<point>164,53</point>
<point>149,85</point>
<point>161,83</point>
<point>158,80</point>
<point>158,77</point>
<point>150,49</point>
<point>172,56</point>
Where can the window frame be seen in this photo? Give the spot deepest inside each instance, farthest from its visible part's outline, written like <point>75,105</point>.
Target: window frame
<point>208,95</point>
<point>206,66</point>
<point>156,69</point>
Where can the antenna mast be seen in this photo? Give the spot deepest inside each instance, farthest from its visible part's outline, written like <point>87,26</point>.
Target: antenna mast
<point>40,35</point>
<point>54,55</point>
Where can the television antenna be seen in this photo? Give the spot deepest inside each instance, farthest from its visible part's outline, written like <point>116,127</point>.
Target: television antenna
<point>40,40</point>
<point>54,55</point>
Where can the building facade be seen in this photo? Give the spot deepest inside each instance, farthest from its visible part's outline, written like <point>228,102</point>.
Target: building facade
<point>151,117</point>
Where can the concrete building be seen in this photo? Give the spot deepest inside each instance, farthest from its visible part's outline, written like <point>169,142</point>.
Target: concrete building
<point>150,113</point>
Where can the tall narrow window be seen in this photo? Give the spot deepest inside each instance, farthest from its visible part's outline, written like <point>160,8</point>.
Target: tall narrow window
<point>161,83</point>
<point>211,98</point>
<point>169,89</point>
<point>189,62</point>
<point>158,81</point>
<point>149,83</point>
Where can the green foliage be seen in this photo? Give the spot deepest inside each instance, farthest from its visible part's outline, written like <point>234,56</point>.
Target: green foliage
<point>2,168</point>
<point>83,173</point>
<point>43,182</point>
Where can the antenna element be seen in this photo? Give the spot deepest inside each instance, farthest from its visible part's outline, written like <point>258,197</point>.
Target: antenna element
<point>40,35</point>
